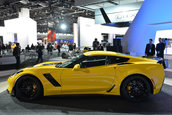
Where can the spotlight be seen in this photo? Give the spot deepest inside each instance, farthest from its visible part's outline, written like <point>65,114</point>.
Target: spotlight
<point>63,26</point>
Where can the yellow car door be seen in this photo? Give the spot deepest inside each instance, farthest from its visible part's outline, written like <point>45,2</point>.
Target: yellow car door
<point>93,75</point>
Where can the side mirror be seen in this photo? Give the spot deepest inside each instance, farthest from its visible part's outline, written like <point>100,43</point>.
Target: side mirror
<point>76,67</point>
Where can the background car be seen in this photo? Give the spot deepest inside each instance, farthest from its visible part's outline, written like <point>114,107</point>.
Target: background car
<point>95,72</point>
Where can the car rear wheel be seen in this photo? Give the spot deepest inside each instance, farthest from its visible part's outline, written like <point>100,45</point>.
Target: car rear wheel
<point>135,88</point>
<point>28,88</point>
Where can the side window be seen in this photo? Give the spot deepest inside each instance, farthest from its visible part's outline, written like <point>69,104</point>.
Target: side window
<point>92,61</point>
<point>115,59</point>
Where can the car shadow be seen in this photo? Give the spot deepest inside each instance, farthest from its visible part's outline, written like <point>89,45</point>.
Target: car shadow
<point>155,104</point>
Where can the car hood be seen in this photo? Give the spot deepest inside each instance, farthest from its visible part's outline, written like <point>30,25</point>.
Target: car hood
<point>45,65</point>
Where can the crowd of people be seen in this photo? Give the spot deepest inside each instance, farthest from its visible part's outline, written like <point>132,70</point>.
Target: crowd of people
<point>50,47</point>
<point>61,47</point>
<point>5,48</point>
<point>15,50</point>
<point>150,49</point>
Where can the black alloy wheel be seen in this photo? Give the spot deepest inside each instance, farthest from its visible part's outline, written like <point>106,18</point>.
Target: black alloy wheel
<point>136,88</point>
<point>28,88</point>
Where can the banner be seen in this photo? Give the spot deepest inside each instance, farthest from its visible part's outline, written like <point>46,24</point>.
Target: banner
<point>51,36</point>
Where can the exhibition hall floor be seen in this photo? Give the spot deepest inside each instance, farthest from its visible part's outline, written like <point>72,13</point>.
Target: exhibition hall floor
<point>86,104</point>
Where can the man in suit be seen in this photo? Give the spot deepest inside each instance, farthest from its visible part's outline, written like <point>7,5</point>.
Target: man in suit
<point>150,48</point>
<point>160,47</point>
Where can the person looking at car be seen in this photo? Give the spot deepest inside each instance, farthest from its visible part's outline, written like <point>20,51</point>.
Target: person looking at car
<point>70,47</point>
<point>16,53</point>
<point>40,52</point>
<point>150,48</point>
<point>100,47</point>
<point>160,47</point>
<point>3,49</point>
<point>65,47</point>
<point>95,44</point>
<point>49,48</point>
<point>32,47</point>
<point>28,48</point>
<point>58,48</point>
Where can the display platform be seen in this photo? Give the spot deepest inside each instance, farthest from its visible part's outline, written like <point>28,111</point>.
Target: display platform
<point>88,105</point>
<point>9,59</point>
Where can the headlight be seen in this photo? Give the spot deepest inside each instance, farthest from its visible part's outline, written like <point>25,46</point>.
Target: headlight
<point>16,73</point>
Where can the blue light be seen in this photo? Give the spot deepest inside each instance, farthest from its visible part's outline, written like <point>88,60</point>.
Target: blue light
<point>15,39</point>
<point>154,15</point>
<point>111,24</point>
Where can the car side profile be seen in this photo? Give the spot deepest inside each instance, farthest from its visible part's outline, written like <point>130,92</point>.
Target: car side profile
<point>94,72</point>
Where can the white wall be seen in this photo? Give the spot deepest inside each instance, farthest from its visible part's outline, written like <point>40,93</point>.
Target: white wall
<point>2,31</point>
<point>89,31</point>
<point>25,28</point>
<point>164,34</point>
<point>7,36</point>
<point>75,34</point>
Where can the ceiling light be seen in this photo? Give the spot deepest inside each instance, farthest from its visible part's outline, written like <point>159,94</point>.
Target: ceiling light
<point>63,26</point>
<point>24,1</point>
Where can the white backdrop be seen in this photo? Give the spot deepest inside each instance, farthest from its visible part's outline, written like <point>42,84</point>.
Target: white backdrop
<point>75,34</point>
<point>25,28</point>
<point>88,31</point>
<point>164,34</point>
<point>2,31</point>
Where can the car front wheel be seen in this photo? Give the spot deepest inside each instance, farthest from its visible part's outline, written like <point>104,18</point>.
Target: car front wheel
<point>28,88</point>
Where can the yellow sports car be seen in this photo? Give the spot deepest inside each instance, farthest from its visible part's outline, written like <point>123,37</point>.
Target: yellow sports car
<point>94,72</point>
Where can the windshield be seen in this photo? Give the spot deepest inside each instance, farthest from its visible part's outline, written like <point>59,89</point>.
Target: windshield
<point>72,61</point>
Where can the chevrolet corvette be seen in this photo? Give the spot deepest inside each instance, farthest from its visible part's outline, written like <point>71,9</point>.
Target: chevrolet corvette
<point>94,72</point>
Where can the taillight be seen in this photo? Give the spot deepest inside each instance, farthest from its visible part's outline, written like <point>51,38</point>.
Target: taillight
<point>160,62</point>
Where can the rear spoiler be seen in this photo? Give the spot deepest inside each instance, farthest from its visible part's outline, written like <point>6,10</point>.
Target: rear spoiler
<point>159,60</point>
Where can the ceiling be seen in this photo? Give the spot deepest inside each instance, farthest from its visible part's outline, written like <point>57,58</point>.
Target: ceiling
<point>45,12</point>
<point>96,4</point>
<point>54,12</point>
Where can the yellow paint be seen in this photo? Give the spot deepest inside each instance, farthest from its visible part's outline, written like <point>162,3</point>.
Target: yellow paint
<point>94,80</point>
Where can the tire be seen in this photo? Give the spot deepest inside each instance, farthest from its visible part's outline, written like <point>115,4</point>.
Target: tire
<point>136,88</point>
<point>28,88</point>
